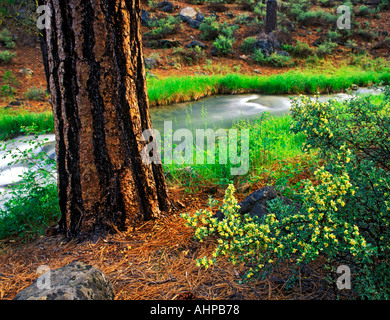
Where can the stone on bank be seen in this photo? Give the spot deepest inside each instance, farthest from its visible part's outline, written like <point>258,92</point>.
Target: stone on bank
<point>75,281</point>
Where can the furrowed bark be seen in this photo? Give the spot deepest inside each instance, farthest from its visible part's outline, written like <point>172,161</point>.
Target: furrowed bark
<point>101,108</point>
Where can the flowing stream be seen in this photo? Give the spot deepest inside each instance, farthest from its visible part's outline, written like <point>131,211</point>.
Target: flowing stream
<point>214,112</point>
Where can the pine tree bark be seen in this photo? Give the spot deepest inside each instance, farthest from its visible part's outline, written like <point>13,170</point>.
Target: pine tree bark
<point>101,108</point>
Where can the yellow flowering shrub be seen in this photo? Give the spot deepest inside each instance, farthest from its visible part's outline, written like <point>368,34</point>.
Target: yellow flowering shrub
<point>353,137</point>
<point>343,213</point>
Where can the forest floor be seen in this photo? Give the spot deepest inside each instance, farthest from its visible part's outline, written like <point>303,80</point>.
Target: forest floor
<point>157,261</point>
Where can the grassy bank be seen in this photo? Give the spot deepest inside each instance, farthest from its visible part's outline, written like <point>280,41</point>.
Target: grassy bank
<point>171,90</point>
<point>11,122</point>
<point>181,89</point>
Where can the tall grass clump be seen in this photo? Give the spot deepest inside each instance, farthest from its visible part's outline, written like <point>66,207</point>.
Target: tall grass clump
<point>12,123</point>
<point>180,89</point>
<point>270,140</point>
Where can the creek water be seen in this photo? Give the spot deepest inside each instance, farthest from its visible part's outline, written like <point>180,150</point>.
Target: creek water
<point>214,112</point>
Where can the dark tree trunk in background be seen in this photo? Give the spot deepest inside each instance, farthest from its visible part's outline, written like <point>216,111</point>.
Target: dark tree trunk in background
<point>271,18</point>
<point>42,41</point>
<point>101,108</point>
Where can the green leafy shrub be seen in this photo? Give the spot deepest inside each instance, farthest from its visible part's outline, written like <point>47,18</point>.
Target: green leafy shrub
<point>311,18</point>
<point>258,57</point>
<point>6,39</point>
<point>325,49</point>
<point>223,44</point>
<point>364,11</point>
<point>280,61</point>
<point>242,18</point>
<point>353,140</point>
<point>274,59</point>
<point>8,90</point>
<point>326,3</point>
<point>333,35</point>
<point>152,4</point>
<point>6,56</point>
<point>260,8</point>
<point>343,214</point>
<point>297,8</point>
<point>211,29</point>
<point>190,56</point>
<point>31,205</point>
<point>301,50</point>
<point>248,44</point>
<point>163,27</point>
<point>36,94</point>
<point>248,5</point>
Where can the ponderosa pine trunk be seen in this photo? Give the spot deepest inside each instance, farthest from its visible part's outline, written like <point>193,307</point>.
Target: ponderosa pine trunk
<point>101,108</point>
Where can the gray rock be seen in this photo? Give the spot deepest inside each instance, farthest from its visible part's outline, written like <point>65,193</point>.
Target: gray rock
<point>214,52</point>
<point>195,43</point>
<point>145,17</point>
<point>150,63</point>
<point>265,47</point>
<point>230,15</point>
<point>193,23</point>
<point>191,16</point>
<point>283,53</point>
<point>188,13</point>
<point>26,71</point>
<point>268,44</point>
<point>199,17</point>
<point>15,103</point>
<point>256,203</point>
<point>165,6</point>
<point>317,43</point>
<point>75,281</point>
<point>163,43</point>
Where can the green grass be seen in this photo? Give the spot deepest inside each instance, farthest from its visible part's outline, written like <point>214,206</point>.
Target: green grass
<point>180,89</point>
<point>11,122</point>
<point>270,140</point>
